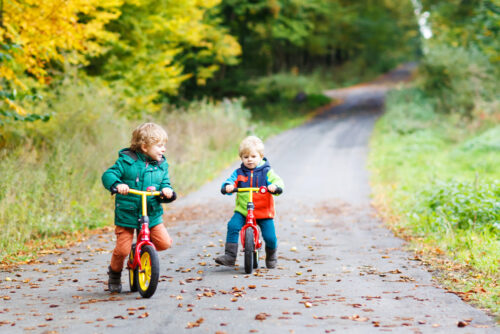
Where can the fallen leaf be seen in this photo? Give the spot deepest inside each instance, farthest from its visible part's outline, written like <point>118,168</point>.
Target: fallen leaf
<point>197,323</point>
<point>262,316</point>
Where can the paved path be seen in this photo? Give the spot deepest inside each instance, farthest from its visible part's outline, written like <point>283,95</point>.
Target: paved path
<point>339,269</point>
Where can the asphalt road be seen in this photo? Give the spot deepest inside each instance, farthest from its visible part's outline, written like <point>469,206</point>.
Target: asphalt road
<point>340,270</point>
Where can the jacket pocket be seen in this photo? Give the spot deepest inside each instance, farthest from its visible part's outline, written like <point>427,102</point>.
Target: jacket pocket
<point>154,207</point>
<point>126,213</point>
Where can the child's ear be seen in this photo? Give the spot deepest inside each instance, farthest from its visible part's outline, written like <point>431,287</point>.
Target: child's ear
<point>144,147</point>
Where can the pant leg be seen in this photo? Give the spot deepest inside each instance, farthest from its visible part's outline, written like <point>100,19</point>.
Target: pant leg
<point>268,232</point>
<point>160,237</point>
<point>234,226</point>
<point>124,238</point>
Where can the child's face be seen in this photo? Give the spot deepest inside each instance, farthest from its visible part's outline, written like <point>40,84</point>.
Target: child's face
<point>251,159</point>
<point>154,151</point>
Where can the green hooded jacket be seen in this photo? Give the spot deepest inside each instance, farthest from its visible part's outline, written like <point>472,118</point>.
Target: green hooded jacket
<point>138,171</point>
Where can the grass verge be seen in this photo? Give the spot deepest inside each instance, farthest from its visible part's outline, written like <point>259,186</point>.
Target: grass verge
<point>436,182</point>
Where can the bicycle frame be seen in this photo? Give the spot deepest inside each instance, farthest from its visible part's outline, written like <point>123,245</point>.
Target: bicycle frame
<point>251,222</point>
<point>143,237</point>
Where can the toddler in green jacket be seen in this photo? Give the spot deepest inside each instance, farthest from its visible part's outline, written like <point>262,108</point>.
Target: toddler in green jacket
<point>140,166</point>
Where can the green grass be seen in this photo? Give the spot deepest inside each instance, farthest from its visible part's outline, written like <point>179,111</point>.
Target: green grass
<point>438,176</point>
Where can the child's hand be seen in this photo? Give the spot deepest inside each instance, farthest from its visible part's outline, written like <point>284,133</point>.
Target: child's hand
<point>122,189</point>
<point>167,192</point>
<point>229,188</point>
<point>272,188</point>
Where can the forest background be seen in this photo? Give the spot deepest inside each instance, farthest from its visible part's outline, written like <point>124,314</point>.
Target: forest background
<point>77,76</point>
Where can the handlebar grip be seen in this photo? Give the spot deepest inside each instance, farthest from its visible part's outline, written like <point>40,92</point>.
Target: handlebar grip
<point>278,191</point>
<point>113,190</point>
<point>168,200</point>
<point>223,190</point>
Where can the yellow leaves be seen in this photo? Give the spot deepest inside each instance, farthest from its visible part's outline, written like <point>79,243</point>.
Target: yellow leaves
<point>205,73</point>
<point>163,30</point>
<point>207,3</point>
<point>18,109</point>
<point>48,30</point>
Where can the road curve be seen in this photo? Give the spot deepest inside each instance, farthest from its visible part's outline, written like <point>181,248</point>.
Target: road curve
<point>340,270</point>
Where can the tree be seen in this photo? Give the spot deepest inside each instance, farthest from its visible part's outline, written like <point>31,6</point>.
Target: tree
<point>37,34</point>
<point>163,43</point>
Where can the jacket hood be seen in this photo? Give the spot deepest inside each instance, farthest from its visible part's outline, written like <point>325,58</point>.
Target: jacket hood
<point>131,156</point>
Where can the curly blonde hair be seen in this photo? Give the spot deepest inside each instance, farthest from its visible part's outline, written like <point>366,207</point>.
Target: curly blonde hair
<point>251,143</point>
<point>147,134</point>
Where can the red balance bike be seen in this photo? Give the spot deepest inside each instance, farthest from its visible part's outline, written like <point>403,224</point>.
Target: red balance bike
<point>250,232</point>
<point>143,264</point>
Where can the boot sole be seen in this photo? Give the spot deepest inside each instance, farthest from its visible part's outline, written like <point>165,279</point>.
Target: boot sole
<point>224,264</point>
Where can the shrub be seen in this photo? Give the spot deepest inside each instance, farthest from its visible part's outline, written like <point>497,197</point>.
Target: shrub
<point>459,78</point>
<point>410,110</point>
<point>489,141</point>
<point>462,206</point>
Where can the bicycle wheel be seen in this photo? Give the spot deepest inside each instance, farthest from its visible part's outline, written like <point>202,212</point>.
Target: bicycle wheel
<point>249,250</point>
<point>132,273</point>
<point>148,277</point>
<point>256,259</point>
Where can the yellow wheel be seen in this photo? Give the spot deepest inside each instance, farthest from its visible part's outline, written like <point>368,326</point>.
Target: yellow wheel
<point>147,278</point>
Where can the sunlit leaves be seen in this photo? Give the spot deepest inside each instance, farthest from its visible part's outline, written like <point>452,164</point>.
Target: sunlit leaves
<point>56,30</point>
<point>34,35</point>
<point>165,43</point>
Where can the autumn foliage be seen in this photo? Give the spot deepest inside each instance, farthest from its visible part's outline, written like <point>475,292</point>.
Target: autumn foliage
<point>133,43</point>
<point>34,34</point>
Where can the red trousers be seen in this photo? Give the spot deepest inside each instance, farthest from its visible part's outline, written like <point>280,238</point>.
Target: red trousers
<point>124,238</point>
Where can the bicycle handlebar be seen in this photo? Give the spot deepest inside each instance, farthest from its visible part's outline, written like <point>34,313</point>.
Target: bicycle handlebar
<point>262,190</point>
<point>163,199</point>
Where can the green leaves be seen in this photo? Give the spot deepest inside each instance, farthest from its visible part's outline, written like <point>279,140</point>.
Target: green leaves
<point>162,44</point>
<point>462,205</point>
<point>6,115</point>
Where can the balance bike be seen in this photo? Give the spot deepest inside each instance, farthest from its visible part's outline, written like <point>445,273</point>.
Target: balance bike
<point>250,232</point>
<point>143,264</point>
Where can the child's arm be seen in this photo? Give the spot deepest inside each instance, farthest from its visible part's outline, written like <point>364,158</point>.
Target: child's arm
<point>165,186</point>
<point>112,176</point>
<point>230,181</point>
<point>274,181</point>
